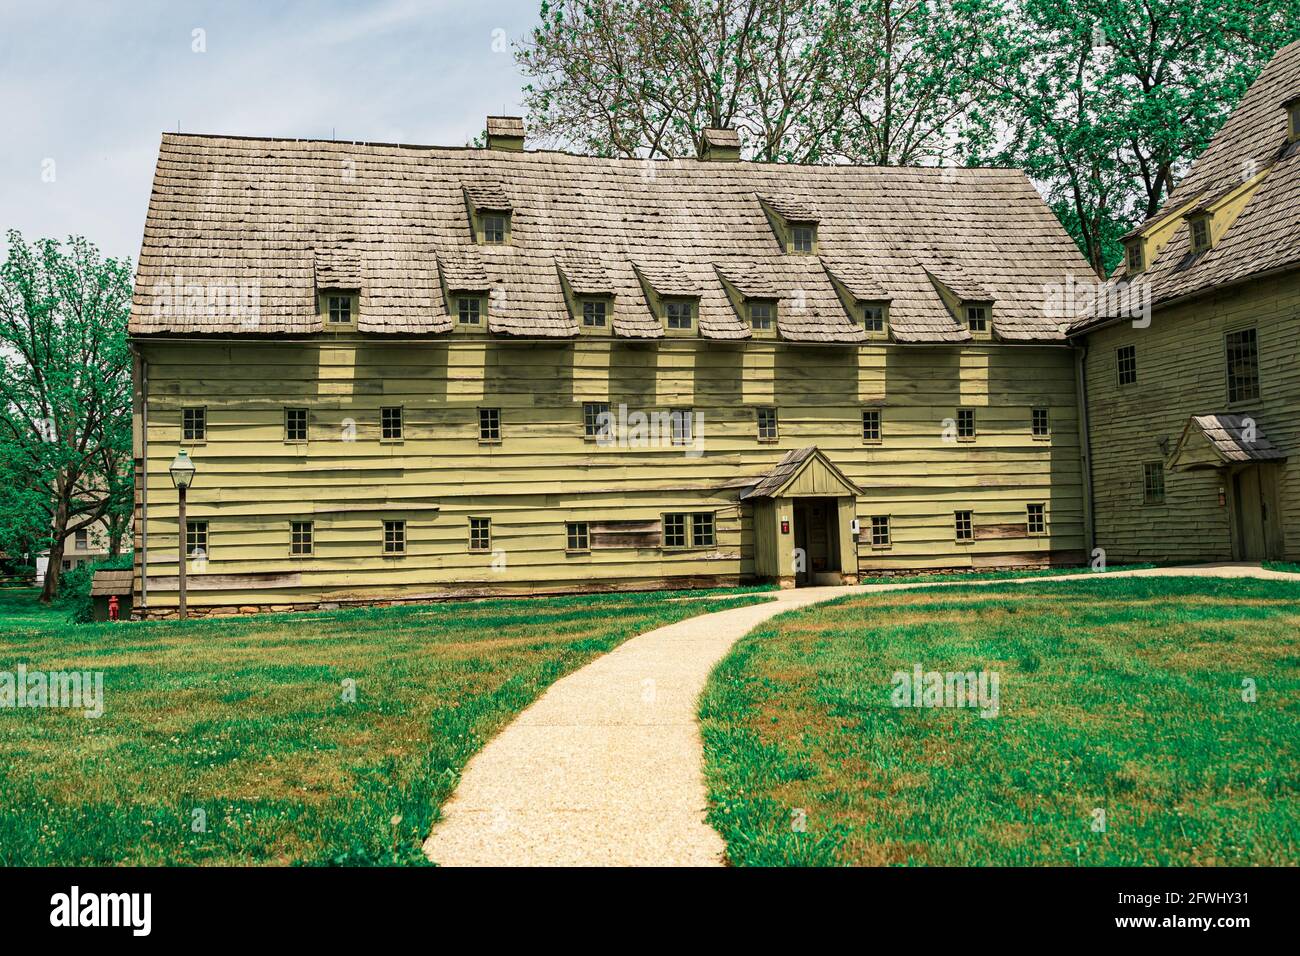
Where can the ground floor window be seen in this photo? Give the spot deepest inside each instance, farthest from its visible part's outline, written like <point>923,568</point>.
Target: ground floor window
<point>1036,518</point>
<point>394,537</point>
<point>695,529</point>
<point>480,534</point>
<point>196,539</point>
<point>880,537</point>
<point>1153,483</point>
<point>702,530</point>
<point>964,526</point>
<point>577,536</point>
<point>300,537</point>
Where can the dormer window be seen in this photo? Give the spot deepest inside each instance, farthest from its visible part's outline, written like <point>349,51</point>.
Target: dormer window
<point>338,307</point>
<point>1201,238</point>
<point>875,319</point>
<point>679,315</point>
<point>803,237</point>
<point>594,313</point>
<point>762,315</point>
<point>469,311</point>
<point>493,228</point>
<point>977,319</point>
<point>1293,120</point>
<point>1134,260</point>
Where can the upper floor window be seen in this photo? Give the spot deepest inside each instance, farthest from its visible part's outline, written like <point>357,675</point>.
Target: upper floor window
<point>1134,260</point>
<point>682,421</point>
<point>761,315</point>
<point>1243,365</point>
<point>871,425</point>
<point>194,424</point>
<point>1200,233</point>
<point>1036,518</point>
<point>295,424</point>
<point>977,319</point>
<point>493,227</point>
<point>802,238</point>
<point>766,418</point>
<point>1039,426</point>
<point>489,424</point>
<point>81,540</point>
<point>594,313</point>
<point>1126,363</point>
<point>965,424</point>
<point>469,310</point>
<point>390,423</point>
<point>679,315</point>
<point>596,420</point>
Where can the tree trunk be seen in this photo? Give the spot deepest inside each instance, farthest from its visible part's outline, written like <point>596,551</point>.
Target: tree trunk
<point>59,531</point>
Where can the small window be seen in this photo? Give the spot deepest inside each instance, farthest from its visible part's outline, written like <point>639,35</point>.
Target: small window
<point>480,534</point>
<point>682,421</point>
<point>1293,111</point>
<point>963,526</point>
<point>873,319</point>
<point>1133,258</point>
<point>1039,424</point>
<point>1127,364</point>
<point>597,422</point>
<point>394,537</point>
<point>880,531</point>
<point>494,230</point>
<point>469,310</point>
<point>766,424</point>
<point>977,319</point>
<point>593,314</point>
<point>196,539</point>
<point>390,423</point>
<point>1200,233</point>
<point>577,536</point>
<point>81,540</point>
<point>67,565</point>
<point>1243,365</point>
<point>965,424</point>
<point>702,530</point>
<point>761,315</point>
<point>679,315</point>
<point>802,238</point>
<point>339,309</point>
<point>295,424</point>
<point>1036,518</point>
<point>489,424</point>
<point>300,537</point>
<point>194,424</point>
<point>1153,483</point>
<point>871,425</point>
<point>675,531</point>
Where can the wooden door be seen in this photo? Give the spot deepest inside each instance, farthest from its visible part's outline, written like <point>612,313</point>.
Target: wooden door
<point>1250,513</point>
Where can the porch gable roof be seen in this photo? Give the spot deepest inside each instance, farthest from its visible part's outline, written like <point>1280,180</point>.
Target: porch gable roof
<point>820,474</point>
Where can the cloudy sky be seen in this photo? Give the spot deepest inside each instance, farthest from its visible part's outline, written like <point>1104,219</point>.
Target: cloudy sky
<point>86,88</point>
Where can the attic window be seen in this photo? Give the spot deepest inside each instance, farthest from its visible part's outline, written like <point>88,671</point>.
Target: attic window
<point>761,315</point>
<point>1134,260</point>
<point>679,315</point>
<point>1200,233</point>
<point>339,309</point>
<point>469,310</point>
<point>802,237</point>
<point>493,227</point>
<point>977,319</point>
<point>594,313</point>
<point>874,320</point>
<point>1293,116</point>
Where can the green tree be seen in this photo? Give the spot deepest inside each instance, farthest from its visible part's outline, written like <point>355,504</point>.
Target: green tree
<point>65,395</point>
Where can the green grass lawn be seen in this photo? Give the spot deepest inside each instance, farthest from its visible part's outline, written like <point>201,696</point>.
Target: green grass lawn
<point>1123,695</point>
<point>244,719</point>
<point>944,576</point>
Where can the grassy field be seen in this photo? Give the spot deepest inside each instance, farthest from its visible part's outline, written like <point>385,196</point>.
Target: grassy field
<point>945,576</point>
<point>245,720</point>
<point>1120,695</point>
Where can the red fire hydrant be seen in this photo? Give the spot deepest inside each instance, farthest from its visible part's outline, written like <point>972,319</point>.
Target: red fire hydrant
<point>112,608</point>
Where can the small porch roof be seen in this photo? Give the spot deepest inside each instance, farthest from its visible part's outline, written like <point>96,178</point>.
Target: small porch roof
<point>1221,440</point>
<point>819,473</point>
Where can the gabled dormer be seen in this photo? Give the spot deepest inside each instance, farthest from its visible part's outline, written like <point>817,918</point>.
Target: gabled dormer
<point>969,303</point>
<point>673,297</point>
<point>490,212</point>
<point>466,289</point>
<point>1135,258</point>
<point>793,222</point>
<point>864,299</point>
<point>1200,226</point>
<point>338,288</point>
<point>588,293</point>
<point>755,297</point>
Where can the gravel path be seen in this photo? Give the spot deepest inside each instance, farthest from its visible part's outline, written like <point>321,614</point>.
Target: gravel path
<point>606,767</point>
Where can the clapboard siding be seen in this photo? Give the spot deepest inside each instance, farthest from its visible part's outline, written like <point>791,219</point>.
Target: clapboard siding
<point>251,483</point>
<point>1182,371</point>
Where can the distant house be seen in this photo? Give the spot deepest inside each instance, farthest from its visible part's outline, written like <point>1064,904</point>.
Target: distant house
<point>412,372</point>
<point>86,546</point>
<point>1193,422</point>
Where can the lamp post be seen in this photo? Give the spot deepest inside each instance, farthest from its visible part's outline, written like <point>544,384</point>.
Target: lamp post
<point>182,472</point>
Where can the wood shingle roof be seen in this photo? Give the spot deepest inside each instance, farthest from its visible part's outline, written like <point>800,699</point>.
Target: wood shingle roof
<point>289,214</point>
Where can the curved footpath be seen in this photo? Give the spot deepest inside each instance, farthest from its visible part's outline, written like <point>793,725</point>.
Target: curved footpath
<point>606,767</point>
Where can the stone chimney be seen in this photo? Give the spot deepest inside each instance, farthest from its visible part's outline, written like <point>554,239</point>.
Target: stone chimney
<point>720,146</point>
<point>505,132</point>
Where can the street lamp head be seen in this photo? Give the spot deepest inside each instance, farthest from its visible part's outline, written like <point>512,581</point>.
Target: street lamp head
<point>182,470</point>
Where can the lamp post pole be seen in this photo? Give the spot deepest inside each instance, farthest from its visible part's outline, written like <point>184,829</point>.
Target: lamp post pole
<point>182,472</point>
<point>180,606</point>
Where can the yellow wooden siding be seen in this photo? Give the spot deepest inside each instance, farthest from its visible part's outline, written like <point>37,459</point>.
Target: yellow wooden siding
<point>251,483</point>
<point>1182,371</point>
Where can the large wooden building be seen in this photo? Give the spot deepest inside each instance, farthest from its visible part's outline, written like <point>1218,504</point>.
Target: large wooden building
<point>412,372</point>
<point>1194,410</point>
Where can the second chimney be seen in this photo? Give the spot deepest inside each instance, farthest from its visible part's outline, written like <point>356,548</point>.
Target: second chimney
<point>505,132</point>
<point>720,146</point>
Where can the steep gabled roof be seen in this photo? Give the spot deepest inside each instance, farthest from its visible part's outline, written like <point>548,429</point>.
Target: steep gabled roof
<point>1266,235</point>
<point>792,465</point>
<point>231,210</point>
<point>1218,440</point>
